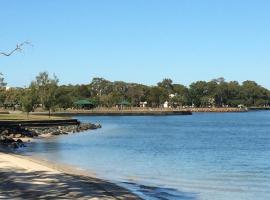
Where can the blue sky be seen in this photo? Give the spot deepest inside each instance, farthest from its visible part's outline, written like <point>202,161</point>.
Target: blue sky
<point>137,40</point>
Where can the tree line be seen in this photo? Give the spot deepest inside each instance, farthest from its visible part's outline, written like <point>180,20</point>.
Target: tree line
<point>45,92</point>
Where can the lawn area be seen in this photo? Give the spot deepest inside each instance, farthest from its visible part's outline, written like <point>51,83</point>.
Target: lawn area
<point>20,116</point>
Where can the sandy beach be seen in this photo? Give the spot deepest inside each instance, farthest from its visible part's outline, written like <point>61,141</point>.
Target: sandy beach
<point>23,177</point>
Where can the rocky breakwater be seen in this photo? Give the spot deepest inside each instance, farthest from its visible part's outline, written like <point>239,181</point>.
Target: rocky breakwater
<point>16,137</point>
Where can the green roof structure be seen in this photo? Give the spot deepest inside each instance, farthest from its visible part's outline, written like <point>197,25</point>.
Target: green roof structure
<point>84,104</point>
<point>124,103</point>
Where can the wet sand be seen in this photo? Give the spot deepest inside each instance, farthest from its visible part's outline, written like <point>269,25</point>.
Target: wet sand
<point>23,177</point>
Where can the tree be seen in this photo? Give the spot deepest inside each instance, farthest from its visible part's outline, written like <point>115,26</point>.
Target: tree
<point>100,86</point>
<point>2,81</point>
<point>13,96</point>
<point>219,80</point>
<point>198,90</point>
<point>47,88</point>
<point>136,93</point>
<point>65,96</point>
<point>181,95</point>
<point>250,91</point>
<point>157,96</point>
<point>234,94</point>
<point>2,89</point>
<point>28,100</point>
<point>167,84</point>
<point>19,47</point>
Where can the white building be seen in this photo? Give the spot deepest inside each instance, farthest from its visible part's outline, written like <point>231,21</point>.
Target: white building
<point>143,104</point>
<point>166,104</point>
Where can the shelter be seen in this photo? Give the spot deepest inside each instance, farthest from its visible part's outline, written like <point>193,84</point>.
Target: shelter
<point>123,104</point>
<point>84,104</point>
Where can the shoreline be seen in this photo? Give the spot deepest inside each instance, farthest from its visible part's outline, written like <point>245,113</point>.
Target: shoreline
<point>139,112</point>
<point>116,113</point>
<point>45,179</point>
<point>31,177</point>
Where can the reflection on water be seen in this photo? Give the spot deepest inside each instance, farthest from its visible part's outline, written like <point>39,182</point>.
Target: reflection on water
<point>203,156</point>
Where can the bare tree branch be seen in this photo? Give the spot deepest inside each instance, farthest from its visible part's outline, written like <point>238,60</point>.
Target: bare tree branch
<point>19,47</point>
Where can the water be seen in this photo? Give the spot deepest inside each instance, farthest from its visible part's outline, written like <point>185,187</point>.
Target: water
<point>203,156</point>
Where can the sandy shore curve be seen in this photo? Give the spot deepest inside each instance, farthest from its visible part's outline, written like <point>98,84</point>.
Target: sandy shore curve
<point>23,177</point>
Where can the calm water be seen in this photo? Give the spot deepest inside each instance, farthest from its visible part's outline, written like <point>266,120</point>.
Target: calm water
<point>203,156</point>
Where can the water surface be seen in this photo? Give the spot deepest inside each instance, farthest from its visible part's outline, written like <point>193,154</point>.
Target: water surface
<point>203,156</point>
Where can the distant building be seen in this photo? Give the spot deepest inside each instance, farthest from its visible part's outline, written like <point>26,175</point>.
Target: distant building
<point>166,104</point>
<point>143,104</point>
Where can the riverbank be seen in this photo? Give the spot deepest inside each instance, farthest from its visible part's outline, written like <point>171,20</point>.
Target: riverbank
<point>218,110</point>
<point>113,112</point>
<point>23,177</point>
<point>138,111</point>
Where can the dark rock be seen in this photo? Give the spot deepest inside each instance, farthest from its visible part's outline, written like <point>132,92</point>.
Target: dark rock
<point>56,133</point>
<point>19,141</point>
<point>7,134</point>
<point>15,145</point>
<point>7,140</point>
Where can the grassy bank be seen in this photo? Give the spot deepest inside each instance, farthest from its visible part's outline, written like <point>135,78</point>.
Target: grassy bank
<point>22,116</point>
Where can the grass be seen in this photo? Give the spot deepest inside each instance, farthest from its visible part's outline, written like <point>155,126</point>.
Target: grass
<point>21,116</point>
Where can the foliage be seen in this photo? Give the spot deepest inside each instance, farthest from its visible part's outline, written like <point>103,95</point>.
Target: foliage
<point>29,98</point>
<point>46,88</point>
<point>45,92</point>
<point>2,81</point>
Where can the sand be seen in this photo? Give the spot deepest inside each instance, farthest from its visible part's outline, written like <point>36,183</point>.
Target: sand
<point>23,177</point>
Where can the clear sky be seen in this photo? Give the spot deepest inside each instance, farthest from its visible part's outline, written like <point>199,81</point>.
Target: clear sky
<point>137,40</point>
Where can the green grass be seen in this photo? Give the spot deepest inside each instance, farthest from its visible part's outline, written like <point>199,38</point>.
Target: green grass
<point>10,117</point>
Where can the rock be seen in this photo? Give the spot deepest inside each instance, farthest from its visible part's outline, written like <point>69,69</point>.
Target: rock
<point>18,135</point>
<point>98,125</point>
<point>15,145</point>
<point>1,137</point>
<point>19,141</point>
<point>56,133</point>
<point>7,140</point>
<point>5,132</point>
